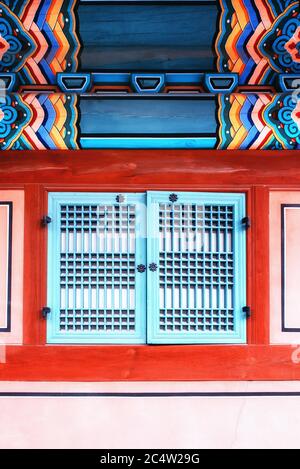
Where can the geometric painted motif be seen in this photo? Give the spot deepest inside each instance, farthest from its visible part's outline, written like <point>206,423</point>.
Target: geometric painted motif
<point>38,39</point>
<point>38,122</point>
<point>281,45</point>
<point>256,39</point>
<point>283,115</point>
<point>14,116</point>
<point>16,45</point>
<point>259,38</point>
<point>259,121</point>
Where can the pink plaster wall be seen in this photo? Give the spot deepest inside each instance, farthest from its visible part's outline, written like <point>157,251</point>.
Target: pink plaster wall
<point>16,334</point>
<point>173,422</point>
<point>292,267</point>
<point>4,251</point>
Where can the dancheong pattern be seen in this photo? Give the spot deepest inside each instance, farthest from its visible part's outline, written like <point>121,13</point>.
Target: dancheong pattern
<point>40,39</point>
<point>14,117</point>
<point>38,122</point>
<point>257,40</point>
<point>259,121</point>
<point>16,45</point>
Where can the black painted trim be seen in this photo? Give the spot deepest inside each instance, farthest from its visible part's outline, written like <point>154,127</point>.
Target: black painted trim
<point>150,394</point>
<point>283,322</point>
<point>9,272</point>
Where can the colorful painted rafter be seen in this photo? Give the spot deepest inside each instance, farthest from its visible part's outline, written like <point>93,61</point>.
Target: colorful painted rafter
<point>259,121</point>
<point>38,39</point>
<point>258,39</point>
<point>38,122</point>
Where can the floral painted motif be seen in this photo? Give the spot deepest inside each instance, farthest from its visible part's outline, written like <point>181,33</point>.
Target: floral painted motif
<point>259,121</point>
<point>258,39</point>
<point>283,115</point>
<point>293,46</point>
<point>14,115</point>
<point>281,45</point>
<point>4,47</point>
<point>38,122</point>
<point>15,44</point>
<point>42,39</point>
<point>296,114</point>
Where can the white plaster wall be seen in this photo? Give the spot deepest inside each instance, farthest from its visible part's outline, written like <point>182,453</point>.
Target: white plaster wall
<point>150,422</point>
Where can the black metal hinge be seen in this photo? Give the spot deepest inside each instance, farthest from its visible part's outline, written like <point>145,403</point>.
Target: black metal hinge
<point>247,311</point>
<point>46,220</point>
<point>246,222</point>
<point>45,311</point>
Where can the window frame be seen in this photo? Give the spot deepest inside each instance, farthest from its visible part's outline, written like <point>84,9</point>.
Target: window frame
<point>238,202</point>
<point>147,289</point>
<point>54,335</point>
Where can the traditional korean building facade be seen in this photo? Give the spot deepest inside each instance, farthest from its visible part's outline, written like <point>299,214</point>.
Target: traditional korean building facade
<point>149,219</point>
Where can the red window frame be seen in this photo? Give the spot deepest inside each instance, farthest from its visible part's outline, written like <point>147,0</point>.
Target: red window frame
<point>254,173</point>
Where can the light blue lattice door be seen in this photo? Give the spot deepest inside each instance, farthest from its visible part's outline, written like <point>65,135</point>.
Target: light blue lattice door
<point>95,291</point>
<point>196,276</point>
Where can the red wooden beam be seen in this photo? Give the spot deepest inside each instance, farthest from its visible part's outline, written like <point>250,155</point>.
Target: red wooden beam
<point>189,168</point>
<point>149,363</point>
<point>258,257</point>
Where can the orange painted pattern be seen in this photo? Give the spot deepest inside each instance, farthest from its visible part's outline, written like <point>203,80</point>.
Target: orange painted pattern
<point>242,32</point>
<point>245,117</point>
<point>43,64</point>
<point>38,134</point>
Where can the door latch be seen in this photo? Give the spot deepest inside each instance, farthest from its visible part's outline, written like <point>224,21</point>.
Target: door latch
<point>247,311</point>
<point>246,222</point>
<point>45,311</point>
<point>46,220</point>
